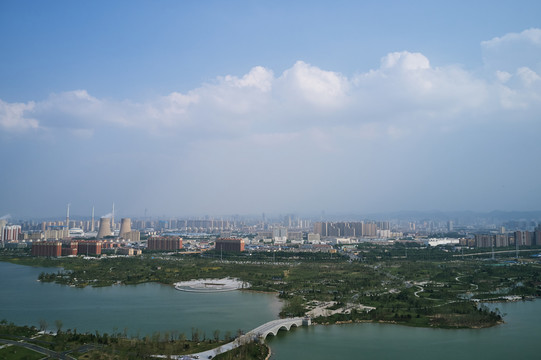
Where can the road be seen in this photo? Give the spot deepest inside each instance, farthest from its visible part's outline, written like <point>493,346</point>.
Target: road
<point>39,349</point>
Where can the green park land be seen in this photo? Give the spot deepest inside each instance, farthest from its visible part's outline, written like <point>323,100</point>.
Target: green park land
<point>403,284</point>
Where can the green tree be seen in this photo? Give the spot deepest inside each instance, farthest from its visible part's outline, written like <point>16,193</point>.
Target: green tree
<point>58,324</point>
<point>43,325</point>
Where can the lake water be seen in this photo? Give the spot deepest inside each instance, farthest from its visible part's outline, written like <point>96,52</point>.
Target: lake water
<point>141,309</point>
<point>145,308</point>
<point>518,338</point>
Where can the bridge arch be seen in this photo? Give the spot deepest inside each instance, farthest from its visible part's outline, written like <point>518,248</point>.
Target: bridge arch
<point>274,331</point>
<point>272,327</point>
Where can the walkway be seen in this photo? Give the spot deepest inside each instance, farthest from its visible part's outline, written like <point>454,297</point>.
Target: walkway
<point>259,333</point>
<point>272,327</point>
<point>39,349</point>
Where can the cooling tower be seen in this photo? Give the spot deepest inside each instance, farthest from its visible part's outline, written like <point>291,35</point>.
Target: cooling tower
<point>125,227</point>
<point>105,228</point>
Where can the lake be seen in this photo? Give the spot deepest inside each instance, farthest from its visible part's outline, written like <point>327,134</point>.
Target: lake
<point>518,338</point>
<point>146,308</point>
<point>140,309</point>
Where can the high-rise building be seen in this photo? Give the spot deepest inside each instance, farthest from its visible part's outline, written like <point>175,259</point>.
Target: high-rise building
<point>165,243</point>
<point>537,235</point>
<point>229,244</point>
<point>91,247</point>
<point>47,248</point>
<point>10,233</point>
<point>524,238</point>
<point>369,229</point>
<point>483,240</point>
<point>69,248</point>
<point>501,240</point>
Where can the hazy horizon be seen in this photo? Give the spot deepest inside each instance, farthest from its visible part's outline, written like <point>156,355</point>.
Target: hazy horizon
<point>247,107</point>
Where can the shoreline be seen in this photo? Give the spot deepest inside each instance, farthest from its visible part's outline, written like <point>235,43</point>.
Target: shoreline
<point>491,301</point>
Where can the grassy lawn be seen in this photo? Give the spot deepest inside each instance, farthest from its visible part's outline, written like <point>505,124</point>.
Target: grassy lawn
<point>17,352</point>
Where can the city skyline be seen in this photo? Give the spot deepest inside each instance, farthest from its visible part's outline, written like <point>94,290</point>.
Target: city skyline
<point>246,107</point>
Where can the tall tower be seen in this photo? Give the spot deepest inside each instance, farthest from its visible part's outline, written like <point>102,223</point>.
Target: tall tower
<point>113,219</point>
<point>105,228</point>
<point>125,226</point>
<point>68,218</point>
<point>92,222</point>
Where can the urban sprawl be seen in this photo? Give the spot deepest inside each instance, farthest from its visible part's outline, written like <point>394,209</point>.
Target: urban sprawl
<point>92,237</point>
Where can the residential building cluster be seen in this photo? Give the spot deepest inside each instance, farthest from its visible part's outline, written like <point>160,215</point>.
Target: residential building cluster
<point>229,244</point>
<point>237,233</point>
<point>165,243</point>
<point>372,229</point>
<point>516,238</point>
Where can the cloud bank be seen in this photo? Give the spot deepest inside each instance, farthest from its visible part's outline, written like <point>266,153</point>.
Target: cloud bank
<point>405,92</point>
<point>405,116</point>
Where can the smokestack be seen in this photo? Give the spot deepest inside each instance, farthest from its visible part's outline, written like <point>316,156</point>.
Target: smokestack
<point>125,226</point>
<point>92,224</point>
<point>68,218</point>
<point>113,219</point>
<point>105,228</point>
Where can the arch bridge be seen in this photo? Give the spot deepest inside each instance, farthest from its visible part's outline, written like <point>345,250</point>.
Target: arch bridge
<point>272,327</point>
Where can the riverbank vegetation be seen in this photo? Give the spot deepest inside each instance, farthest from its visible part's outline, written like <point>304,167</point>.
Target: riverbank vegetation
<point>103,346</point>
<point>250,351</point>
<point>411,285</point>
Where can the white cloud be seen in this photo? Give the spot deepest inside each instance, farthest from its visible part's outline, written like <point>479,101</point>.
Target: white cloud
<point>13,116</point>
<point>307,136</point>
<point>405,61</point>
<point>521,90</point>
<point>316,87</point>
<point>528,76</point>
<point>503,76</point>
<point>531,36</point>
<point>259,78</point>
<point>513,50</point>
<point>404,95</point>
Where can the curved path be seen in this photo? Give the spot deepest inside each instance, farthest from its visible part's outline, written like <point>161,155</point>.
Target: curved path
<point>272,327</point>
<point>259,333</point>
<point>39,349</point>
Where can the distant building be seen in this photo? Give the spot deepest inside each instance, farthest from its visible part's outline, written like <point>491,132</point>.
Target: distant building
<point>128,251</point>
<point>350,228</point>
<point>501,240</point>
<point>369,229</point>
<point>279,233</point>
<point>47,248</point>
<point>56,233</point>
<point>524,238</point>
<point>229,244</point>
<point>294,235</point>
<point>313,238</point>
<point>537,235</point>
<point>11,233</point>
<point>131,236</point>
<point>166,243</point>
<point>89,247</point>
<point>483,240</point>
<point>125,227</point>
<point>489,240</point>
<point>264,235</point>
<point>69,248</point>
<point>105,228</point>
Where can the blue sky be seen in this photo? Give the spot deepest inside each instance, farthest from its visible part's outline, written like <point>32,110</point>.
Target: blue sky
<point>192,107</point>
